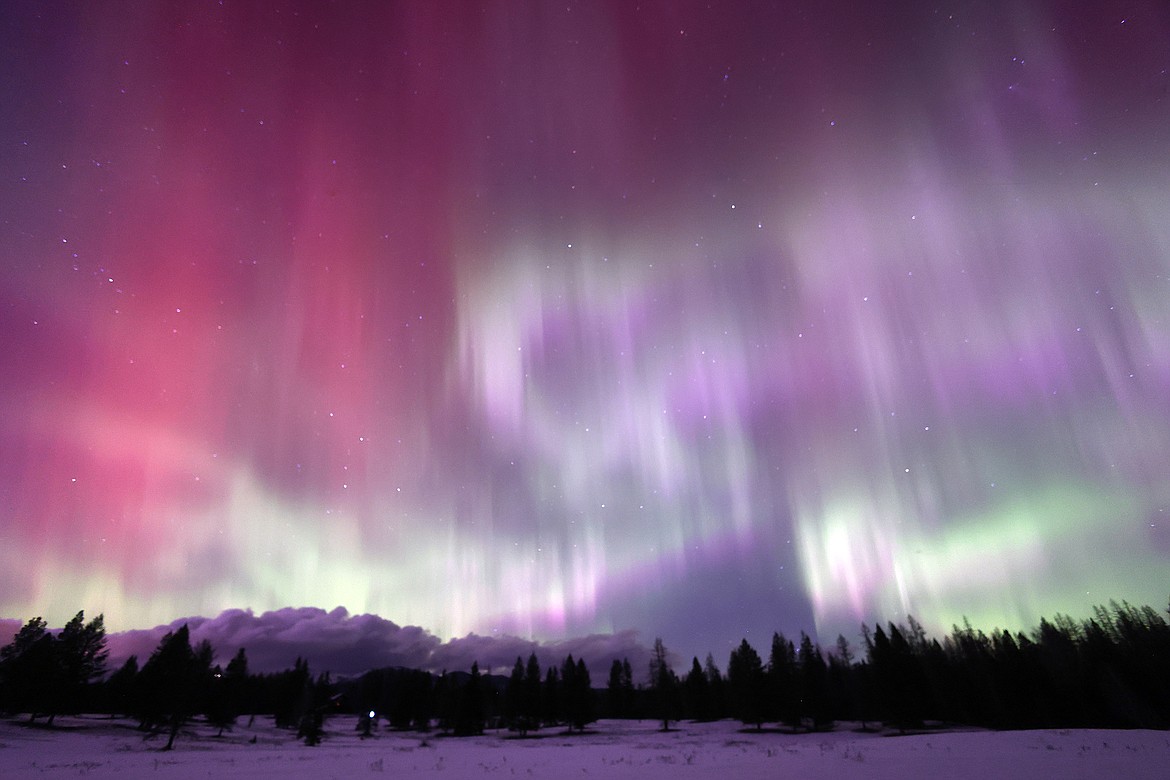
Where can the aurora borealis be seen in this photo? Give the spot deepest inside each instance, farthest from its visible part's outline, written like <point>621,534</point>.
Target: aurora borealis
<point>550,319</point>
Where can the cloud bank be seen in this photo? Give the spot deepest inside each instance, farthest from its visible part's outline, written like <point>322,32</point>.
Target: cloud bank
<point>345,644</point>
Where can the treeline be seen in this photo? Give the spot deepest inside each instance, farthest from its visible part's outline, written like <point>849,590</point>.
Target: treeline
<point>1111,670</point>
<point>45,674</point>
<point>466,704</point>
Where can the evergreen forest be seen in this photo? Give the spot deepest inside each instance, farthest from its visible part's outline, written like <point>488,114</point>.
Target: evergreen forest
<point>1111,670</point>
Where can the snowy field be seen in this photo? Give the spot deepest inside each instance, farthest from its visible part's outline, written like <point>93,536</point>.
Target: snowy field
<point>96,747</point>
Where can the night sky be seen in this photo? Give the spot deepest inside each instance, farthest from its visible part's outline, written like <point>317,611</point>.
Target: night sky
<point>560,318</point>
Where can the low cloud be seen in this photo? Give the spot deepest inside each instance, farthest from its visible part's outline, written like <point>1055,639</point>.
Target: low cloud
<point>9,627</point>
<point>345,644</point>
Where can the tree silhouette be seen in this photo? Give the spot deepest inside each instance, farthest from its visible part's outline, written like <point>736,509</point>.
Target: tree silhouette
<point>44,674</point>
<point>814,684</point>
<point>620,689</point>
<point>78,657</point>
<point>225,696</point>
<point>172,682</point>
<point>716,687</point>
<point>120,688</point>
<point>312,708</point>
<point>530,700</point>
<point>551,701</point>
<point>698,692</point>
<point>783,682</point>
<point>286,694</point>
<point>469,717</point>
<point>586,706</point>
<point>446,702</point>
<point>514,699</point>
<point>522,696</point>
<point>911,697</point>
<point>898,678</point>
<point>747,684</point>
<point>842,683</point>
<point>664,693</point>
<point>1107,671</point>
<point>577,694</point>
<point>27,666</point>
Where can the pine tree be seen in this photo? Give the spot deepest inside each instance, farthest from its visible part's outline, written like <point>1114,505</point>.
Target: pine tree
<point>422,699</point>
<point>842,684</point>
<point>514,699</point>
<point>577,693</point>
<point>530,703</point>
<point>844,651</point>
<point>814,684</point>
<point>552,697</point>
<point>569,690</point>
<point>747,684</point>
<point>225,692</point>
<point>620,689</point>
<point>783,682</point>
<point>628,690</point>
<point>897,676</point>
<point>697,692</point>
<point>312,709</point>
<point>446,704</point>
<point>237,681</point>
<point>216,708</point>
<point>586,712</point>
<point>911,695</point>
<point>28,669</point>
<point>469,719</point>
<point>663,686</point>
<point>717,688</point>
<point>119,688</point>
<point>173,680</point>
<point>79,656</point>
<point>613,689</point>
<point>287,693</point>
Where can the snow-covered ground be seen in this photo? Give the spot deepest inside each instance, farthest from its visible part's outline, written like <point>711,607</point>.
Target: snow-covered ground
<point>106,748</point>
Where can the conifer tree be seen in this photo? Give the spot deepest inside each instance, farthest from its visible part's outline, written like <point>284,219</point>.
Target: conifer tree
<point>217,710</point>
<point>783,682</point>
<point>312,709</point>
<point>530,704</point>
<point>628,690</point>
<point>698,692</point>
<point>79,656</point>
<point>445,702</point>
<point>172,682</point>
<point>586,712</point>
<point>226,691</point>
<point>664,693</point>
<point>842,693</point>
<point>287,692</point>
<point>422,699</point>
<point>908,681</point>
<point>613,689</point>
<point>577,693</point>
<point>469,719</point>
<point>717,688</point>
<point>551,703</point>
<point>28,669</point>
<point>120,688</point>
<point>569,690</point>
<point>814,684</point>
<point>620,689</point>
<point>514,699</point>
<point>747,685</point>
<point>237,682</point>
